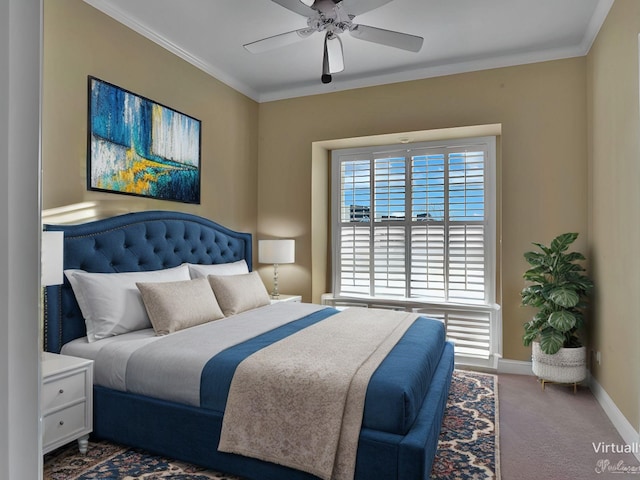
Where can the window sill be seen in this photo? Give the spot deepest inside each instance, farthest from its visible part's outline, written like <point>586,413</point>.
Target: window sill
<point>404,303</point>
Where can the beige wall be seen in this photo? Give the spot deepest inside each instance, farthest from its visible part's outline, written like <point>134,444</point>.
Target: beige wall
<point>79,41</point>
<point>543,177</point>
<point>614,204</point>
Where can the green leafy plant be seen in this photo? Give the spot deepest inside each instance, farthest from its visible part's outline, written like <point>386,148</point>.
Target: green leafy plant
<point>557,288</point>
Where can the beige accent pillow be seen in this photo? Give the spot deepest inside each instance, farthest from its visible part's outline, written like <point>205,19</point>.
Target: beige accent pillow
<point>238,293</point>
<point>174,306</point>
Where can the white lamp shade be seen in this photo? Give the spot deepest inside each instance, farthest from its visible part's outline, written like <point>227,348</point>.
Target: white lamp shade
<point>51,257</point>
<point>276,251</point>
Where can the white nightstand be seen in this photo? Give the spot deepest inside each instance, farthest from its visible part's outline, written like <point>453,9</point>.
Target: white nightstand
<point>286,298</point>
<point>66,401</point>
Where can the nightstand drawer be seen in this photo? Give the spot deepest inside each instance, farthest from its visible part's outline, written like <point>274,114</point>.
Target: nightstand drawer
<point>66,400</point>
<point>63,391</point>
<point>64,423</point>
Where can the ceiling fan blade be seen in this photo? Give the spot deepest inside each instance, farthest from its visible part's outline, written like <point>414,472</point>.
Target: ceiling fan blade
<point>334,54</point>
<point>358,7</point>
<point>278,41</point>
<point>296,6</point>
<point>387,37</point>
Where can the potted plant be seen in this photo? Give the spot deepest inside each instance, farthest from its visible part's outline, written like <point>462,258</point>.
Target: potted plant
<point>557,288</point>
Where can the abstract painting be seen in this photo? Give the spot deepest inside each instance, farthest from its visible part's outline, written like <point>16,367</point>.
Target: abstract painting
<point>139,147</point>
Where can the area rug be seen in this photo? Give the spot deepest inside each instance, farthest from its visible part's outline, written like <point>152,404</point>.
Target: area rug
<point>467,448</point>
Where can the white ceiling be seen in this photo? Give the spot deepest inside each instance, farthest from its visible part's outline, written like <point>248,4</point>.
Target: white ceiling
<point>460,36</point>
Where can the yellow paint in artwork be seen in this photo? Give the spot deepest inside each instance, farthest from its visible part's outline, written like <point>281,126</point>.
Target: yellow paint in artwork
<point>137,167</point>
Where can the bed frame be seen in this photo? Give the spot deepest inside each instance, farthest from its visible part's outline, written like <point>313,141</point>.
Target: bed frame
<point>154,240</point>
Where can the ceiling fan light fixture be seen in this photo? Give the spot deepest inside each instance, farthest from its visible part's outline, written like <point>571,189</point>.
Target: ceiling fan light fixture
<point>335,56</point>
<point>326,75</point>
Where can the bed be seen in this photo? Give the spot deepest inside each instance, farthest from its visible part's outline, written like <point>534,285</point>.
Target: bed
<point>405,397</point>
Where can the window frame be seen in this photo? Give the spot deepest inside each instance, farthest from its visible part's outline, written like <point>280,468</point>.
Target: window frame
<point>488,304</point>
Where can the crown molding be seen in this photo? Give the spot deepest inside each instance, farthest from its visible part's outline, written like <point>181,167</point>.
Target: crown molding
<point>344,83</point>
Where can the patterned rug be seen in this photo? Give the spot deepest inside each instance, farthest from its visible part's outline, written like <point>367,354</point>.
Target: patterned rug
<point>467,447</point>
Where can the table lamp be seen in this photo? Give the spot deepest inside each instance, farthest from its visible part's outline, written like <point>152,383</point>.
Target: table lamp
<point>276,252</point>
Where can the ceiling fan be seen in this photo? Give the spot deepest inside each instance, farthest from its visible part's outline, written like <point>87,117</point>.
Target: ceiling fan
<point>335,17</point>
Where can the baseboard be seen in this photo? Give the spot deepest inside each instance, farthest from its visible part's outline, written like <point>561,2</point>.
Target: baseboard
<point>620,422</point>
<point>516,367</point>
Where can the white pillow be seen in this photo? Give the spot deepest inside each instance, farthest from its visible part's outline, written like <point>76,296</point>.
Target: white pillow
<point>111,303</point>
<point>237,293</point>
<point>174,306</point>
<point>197,270</point>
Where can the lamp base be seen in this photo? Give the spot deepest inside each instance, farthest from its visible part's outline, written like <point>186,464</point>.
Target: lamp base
<point>275,294</point>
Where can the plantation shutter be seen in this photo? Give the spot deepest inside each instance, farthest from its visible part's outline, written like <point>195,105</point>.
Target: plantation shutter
<point>389,236</point>
<point>466,226</point>
<point>354,270</point>
<point>413,226</point>
<point>428,266</point>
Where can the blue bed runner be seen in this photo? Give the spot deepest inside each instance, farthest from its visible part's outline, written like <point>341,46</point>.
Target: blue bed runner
<point>396,390</point>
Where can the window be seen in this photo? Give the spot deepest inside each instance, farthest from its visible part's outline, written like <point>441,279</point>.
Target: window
<point>414,228</point>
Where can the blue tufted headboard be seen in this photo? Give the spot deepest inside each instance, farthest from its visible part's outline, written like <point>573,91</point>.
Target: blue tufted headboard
<point>133,242</point>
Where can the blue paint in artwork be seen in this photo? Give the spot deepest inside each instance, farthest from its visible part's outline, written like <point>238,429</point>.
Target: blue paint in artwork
<point>141,147</point>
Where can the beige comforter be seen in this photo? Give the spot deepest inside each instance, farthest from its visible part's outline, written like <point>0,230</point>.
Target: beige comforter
<point>299,402</point>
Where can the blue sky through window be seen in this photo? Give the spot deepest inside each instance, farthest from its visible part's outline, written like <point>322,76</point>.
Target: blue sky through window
<point>438,184</point>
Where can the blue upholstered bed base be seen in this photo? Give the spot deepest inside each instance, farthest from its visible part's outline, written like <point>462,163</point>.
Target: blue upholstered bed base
<point>192,434</point>
<point>157,239</point>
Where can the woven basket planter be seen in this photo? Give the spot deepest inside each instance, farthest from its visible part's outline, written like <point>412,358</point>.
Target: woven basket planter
<point>569,365</point>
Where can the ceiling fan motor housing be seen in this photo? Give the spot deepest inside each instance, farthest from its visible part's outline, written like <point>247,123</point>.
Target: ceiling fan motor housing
<point>330,16</point>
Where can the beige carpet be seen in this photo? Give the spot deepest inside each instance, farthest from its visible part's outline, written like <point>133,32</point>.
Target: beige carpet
<point>553,434</point>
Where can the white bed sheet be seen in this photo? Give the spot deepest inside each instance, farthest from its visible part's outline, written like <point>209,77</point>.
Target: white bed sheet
<point>169,367</point>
